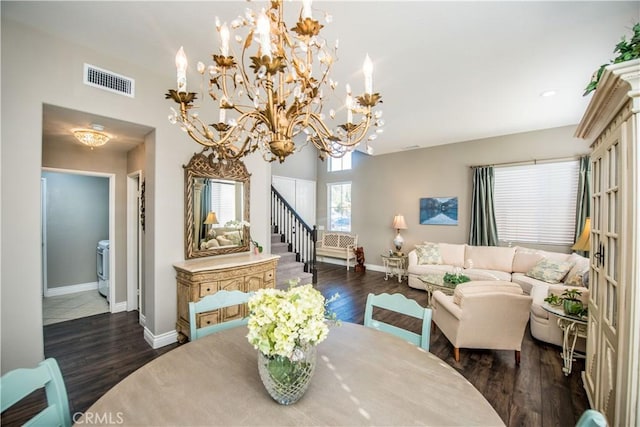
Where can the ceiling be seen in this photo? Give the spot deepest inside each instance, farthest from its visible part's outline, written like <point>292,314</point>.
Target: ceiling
<point>447,71</point>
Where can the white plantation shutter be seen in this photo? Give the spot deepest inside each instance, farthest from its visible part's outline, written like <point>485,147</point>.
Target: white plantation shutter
<point>536,203</point>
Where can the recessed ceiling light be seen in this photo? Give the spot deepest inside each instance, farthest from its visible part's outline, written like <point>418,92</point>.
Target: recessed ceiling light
<point>547,93</point>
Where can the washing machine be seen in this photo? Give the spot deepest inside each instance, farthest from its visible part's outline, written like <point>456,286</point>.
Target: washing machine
<point>102,266</point>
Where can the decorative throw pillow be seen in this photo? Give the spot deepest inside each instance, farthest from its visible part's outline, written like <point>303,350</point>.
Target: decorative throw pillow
<point>234,236</point>
<point>429,253</point>
<point>575,277</point>
<point>224,242</point>
<point>550,271</point>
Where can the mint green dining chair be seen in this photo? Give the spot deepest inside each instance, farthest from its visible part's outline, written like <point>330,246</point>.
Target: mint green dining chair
<point>401,304</point>
<point>217,301</point>
<point>592,418</point>
<point>19,383</point>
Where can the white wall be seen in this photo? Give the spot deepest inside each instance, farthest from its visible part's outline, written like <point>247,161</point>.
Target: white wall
<point>385,185</point>
<point>37,69</point>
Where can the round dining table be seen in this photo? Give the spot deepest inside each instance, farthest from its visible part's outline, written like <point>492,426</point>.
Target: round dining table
<point>362,377</point>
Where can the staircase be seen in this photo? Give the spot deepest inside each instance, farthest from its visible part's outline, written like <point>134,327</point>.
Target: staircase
<point>288,268</point>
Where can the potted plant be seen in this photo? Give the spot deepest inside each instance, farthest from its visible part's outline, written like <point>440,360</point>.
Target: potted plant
<point>455,279</point>
<point>626,50</point>
<point>571,302</point>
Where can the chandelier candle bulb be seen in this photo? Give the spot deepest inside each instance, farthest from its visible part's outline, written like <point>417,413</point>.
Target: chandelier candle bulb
<point>367,69</point>
<point>224,38</point>
<point>181,66</point>
<point>306,9</point>
<point>265,35</point>
<point>223,115</point>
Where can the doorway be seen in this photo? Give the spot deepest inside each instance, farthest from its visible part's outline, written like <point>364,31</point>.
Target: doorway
<point>135,243</point>
<point>77,217</point>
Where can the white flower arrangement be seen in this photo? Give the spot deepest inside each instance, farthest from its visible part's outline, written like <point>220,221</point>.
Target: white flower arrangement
<point>282,321</point>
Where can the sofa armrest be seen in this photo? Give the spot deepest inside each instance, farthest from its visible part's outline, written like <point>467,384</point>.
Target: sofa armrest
<point>444,302</point>
<point>412,258</point>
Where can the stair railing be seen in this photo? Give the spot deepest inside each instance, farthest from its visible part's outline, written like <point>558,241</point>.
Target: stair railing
<point>294,231</point>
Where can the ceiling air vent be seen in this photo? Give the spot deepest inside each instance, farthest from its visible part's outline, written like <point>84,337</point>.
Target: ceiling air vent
<point>108,80</point>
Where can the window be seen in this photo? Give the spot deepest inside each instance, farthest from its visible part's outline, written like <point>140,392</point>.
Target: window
<point>537,203</point>
<point>341,164</point>
<point>339,206</point>
<point>223,196</point>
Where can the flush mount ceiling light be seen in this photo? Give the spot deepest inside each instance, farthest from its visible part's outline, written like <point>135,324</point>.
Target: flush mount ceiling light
<point>267,97</point>
<point>93,137</point>
<point>547,93</point>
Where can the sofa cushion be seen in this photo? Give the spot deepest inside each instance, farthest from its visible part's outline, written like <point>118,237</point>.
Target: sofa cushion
<point>452,254</point>
<point>525,259</point>
<point>483,286</point>
<point>550,271</point>
<point>422,269</point>
<point>527,283</point>
<point>576,275</point>
<point>429,253</point>
<point>489,258</point>
<point>479,274</point>
<point>234,236</point>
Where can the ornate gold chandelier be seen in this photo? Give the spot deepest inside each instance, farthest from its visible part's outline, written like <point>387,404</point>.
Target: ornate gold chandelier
<point>280,97</point>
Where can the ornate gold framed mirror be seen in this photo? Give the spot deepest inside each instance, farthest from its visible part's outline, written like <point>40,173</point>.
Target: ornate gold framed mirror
<point>216,207</point>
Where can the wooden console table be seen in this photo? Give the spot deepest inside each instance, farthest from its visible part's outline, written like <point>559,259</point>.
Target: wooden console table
<point>245,272</point>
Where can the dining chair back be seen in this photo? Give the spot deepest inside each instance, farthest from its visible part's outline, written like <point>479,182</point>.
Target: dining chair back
<point>217,301</point>
<point>592,418</point>
<point>401,304</point>
<point>19,383</point>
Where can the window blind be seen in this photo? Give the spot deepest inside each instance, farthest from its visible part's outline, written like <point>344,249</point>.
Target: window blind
<point>536,203</point>
<point>223,200</point>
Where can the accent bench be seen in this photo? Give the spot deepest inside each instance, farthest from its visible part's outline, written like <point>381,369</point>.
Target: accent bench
<point>337,245</point>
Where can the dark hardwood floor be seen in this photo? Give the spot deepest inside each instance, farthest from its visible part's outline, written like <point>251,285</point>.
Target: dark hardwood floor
<point>96,352</point>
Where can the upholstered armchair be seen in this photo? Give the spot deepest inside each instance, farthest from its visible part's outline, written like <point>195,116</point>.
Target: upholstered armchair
<point>483,314</point>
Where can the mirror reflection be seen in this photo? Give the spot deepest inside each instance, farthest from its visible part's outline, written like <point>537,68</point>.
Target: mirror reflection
<point>216,207</point>
<point>220,204</point>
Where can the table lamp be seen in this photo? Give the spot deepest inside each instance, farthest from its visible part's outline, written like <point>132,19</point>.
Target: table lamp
<point>584,241</point>
<point>399,224</point>
<point>211,219</point>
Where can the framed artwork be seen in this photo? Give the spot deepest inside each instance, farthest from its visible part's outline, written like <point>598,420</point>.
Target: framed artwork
<point>439,211</point>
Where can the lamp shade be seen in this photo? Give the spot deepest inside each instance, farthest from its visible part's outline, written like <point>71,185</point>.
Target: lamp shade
<point>399,222</point>
<point>584,241</point>
<point>211,218</point>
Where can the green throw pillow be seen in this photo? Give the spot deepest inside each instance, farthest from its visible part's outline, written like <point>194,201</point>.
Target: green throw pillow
<point>550,271</point>
<point>429,253</point>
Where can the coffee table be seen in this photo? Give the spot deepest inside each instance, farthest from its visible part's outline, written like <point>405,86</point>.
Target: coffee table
<point>435,282</point>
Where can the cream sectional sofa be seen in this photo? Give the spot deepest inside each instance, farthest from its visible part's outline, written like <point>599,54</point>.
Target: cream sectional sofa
<point>512,264</point>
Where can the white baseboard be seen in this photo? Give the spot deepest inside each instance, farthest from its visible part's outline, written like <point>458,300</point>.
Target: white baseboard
<point>71,289</point>
<point>119,307</point>
<point>157,341</point>
<point>337,261</point>
<point>142,319</point>
<point>375,267</point>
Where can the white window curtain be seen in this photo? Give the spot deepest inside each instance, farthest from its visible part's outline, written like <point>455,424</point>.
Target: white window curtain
<point>536,203</point>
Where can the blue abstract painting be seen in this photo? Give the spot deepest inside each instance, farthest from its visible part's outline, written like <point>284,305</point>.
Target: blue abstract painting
<point>439,211</point>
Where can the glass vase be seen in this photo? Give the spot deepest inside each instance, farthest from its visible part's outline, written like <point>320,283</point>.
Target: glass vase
<point>287,379</point>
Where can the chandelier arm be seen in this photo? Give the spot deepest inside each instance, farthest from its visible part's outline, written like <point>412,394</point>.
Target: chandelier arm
<point>191,125</point>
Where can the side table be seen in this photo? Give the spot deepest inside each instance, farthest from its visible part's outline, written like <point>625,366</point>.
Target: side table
<point>394,265</point>
<point>572,328</point>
